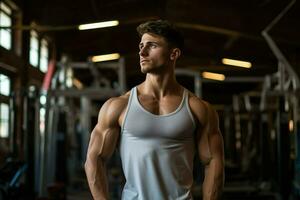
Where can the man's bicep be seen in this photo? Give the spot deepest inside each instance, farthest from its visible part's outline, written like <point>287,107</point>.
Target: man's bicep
<point>203,146</point>
<point>215,135</point>
<point>105,134</point>
<point>103,140</point>
<point>216,145</point>
<point>210,142</point>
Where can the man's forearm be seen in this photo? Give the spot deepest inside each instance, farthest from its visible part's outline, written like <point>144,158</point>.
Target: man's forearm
<point>97,180</point>
<point>213,181</point>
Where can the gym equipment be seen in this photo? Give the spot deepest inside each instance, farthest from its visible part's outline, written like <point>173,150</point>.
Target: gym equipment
<point>60,141</point>
<point>10,174</point>
<point>287,81</point>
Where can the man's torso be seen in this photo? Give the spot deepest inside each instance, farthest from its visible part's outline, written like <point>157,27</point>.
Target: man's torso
<point>157,150</point>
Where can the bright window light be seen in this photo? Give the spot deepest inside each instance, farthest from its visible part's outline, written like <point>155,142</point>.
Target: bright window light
<point>237,63</point>
<point>4,85</point>
<point>5,8</point>
<point>98,25</point>
<point>4,120</point>
<point>5,21</point>
<point>34,49</point>
<point>106,57</point>
<point>213,76</point>
<point>44,54</point>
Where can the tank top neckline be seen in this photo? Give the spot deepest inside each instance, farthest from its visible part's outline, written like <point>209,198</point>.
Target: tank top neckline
<point>135,95</point>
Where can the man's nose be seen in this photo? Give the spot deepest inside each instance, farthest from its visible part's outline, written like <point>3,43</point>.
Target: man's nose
<point>143,51</point>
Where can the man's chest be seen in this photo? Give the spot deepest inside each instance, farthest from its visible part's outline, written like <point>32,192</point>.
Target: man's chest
<point>162,106</point>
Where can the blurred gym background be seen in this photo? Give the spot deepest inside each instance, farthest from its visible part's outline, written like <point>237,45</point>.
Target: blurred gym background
<point>60,60</point>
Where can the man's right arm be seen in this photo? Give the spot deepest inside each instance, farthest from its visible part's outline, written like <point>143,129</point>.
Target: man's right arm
<point>102,144</point>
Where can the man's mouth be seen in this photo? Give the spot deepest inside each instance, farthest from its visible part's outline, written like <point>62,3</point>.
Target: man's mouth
<point>142,61</point>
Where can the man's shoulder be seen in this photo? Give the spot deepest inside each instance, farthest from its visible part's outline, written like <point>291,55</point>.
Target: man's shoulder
<point>199,107</point>
<point>117,103</point>
<point>112,108</point>
<point>196,102</point>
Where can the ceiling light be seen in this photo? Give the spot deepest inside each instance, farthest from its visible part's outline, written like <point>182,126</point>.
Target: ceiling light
<point>214,76</point>
<point>106,57</point>
<point>98,25</point>
<point>237,63</point>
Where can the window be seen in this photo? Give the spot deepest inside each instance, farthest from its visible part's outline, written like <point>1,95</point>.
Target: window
<point>34,49</point>
<point>4,85</point>
<point>4,107</point>
<point>4,120</point>
<point>44,56</point>
<point>39,52</point>
<point>5,20</point>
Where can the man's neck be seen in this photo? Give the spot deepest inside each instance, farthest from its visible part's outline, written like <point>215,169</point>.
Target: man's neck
<point>160,85</point>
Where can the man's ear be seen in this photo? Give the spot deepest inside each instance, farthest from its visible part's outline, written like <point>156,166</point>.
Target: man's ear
<point>175,54</point>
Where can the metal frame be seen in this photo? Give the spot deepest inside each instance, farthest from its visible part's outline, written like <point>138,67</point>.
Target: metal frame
<point>56,100</point>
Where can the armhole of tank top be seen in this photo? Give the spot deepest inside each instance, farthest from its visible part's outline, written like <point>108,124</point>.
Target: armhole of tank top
<point>186,93</point>
<point>127,109</point>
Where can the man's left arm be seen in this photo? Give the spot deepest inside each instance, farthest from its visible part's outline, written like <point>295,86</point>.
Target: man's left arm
<point>211,152</point>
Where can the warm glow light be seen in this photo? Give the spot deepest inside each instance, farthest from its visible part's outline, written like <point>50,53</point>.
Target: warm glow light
<point>77,83</point>
<point>291,125</point>
<point>238,63</point>
<point>214,76</point>
<point>98,25</point>
<point>106,57</point>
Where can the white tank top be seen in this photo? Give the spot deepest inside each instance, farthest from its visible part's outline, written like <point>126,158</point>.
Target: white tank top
<point>157,152</point>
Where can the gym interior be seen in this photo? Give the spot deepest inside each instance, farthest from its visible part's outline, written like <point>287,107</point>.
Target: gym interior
<point>56,71</point>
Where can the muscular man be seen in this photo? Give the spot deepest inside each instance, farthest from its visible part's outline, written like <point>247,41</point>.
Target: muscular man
<point>159,125</point>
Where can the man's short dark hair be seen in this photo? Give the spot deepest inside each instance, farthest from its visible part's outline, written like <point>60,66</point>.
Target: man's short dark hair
<point>165,29</point>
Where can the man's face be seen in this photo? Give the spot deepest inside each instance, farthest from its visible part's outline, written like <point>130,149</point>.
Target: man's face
<point>154,53</point>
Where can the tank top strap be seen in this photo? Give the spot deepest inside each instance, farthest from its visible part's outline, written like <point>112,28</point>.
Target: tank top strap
<point>131,96</point>
<point>187,105</point>
<point>185,97</point>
